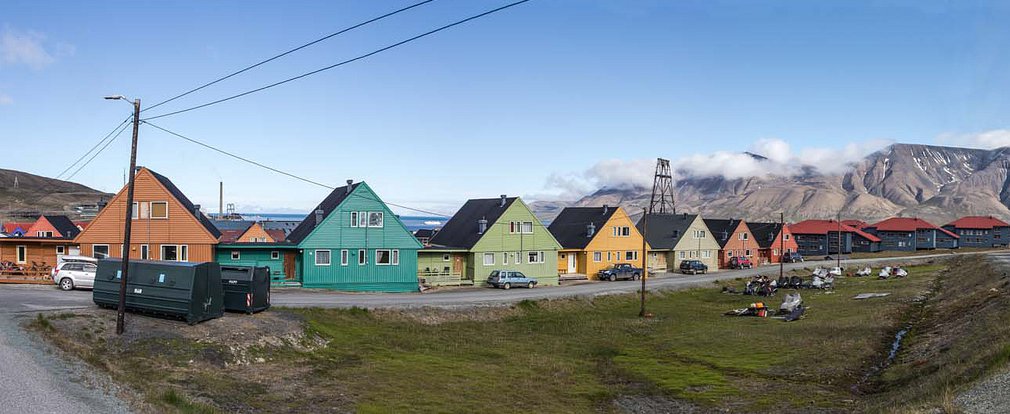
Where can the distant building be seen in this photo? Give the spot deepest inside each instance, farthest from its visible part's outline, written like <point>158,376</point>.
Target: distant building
<point>773,240</point>
<point>424,235</point>
<point>821,238</point>
<point>980,231</point>
<point>910,234</point>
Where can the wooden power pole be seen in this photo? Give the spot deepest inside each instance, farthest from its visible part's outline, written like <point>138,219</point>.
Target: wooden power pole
<point>127,228</point>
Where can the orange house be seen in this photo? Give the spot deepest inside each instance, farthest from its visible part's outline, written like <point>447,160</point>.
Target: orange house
<point>734,238</point>
<point>595,238</point>
<point>773,240</point>
<point>257,234</point>
<point>53,227</point>
<point>166,225</point>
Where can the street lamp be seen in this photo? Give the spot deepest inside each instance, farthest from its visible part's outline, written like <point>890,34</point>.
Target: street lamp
<point>121,311</point>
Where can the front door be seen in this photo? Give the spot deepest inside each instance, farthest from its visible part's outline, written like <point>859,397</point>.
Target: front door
<point>571,262</point>
<point>289,265</point>
<point>457,266</point>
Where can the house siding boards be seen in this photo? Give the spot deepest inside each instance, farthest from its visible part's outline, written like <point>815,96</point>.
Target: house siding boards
<point>40,251</point>
<point>335,234</point>
<point>734,238</point>
<point>443,267</point>
<point>181,227</point>
<point>980,231</point>
<point>611,246</point>
<point>910,234</point>
<point>674,238</point>
<point>258,255</point>
<point>773,240</point>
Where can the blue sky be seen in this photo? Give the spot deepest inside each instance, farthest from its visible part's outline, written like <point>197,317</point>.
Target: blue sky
<point>548,98</point>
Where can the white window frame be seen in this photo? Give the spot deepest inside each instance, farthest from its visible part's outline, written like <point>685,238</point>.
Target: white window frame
<point>625,231</point>
<point>389,257</point>
<point>706,254</point>
<point>354,219</point>
<point>21,254</point>
<point>166,210</point>
<point>61,249</point>
<point>344,257</point>
<point>275,255</point>
<point>108,251</point>
<point>445,257</point>
<point>395,258</point>
<point>183,252</point>
<point>505,258</point>
<point>597,257</point>
<point>362,257</point>
<point>786,237</point>
<point>362,219</point>
<point>44,234</point>
<point>488,256</point>
<point>161,252</point>
<point>145,252</point>
<point>135,213</point>
<point>329,257</point>
<point>382,217</point>
<point>535,257</point>
<point>523,229</point>
<point>236,255</point>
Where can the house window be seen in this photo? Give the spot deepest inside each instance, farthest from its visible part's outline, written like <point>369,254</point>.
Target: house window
<point>375,219</point>
<point>169,252</point>
<point>729,253</point>
<point>275,255</point>
<point>47,234</point>
<point>746,253</point>
<point>505,258</point>
<point>159,209</point>
<point>682,255</point>
<point>354,219</point>
<point>527,227</point>
<point>344,257</point>
<point>692,254</point>
<point>614,230</point>
<point>706,254</point>
<point>184,253</point>
<point>786,237</point>
<point>597,257</point>
<point>362,257</point>
<point>322,257</point>
<point>445,257</point>
<point>608,257</point>
<point>145,252</point>
<point>625,231</point>
<point>236,255</point>
<point>629,255</point>
<point>743,236</point>
<point>676,234</point>
<point>61,249</point>
<point>396,257</point>
<point>775,252</point>
<point>135,212</point>
<point>100,251</point>
<point>488,259</point>
<point>362,219</point>
<point>536,257</point>
<point>22,254</point>
<point>383,257</point>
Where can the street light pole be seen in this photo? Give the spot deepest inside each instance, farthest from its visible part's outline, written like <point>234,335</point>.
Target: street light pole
<point>838,257</point>
<point>782,245</point>
<point>127,228</point>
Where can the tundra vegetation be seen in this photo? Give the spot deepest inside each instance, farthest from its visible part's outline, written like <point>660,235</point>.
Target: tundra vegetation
<point>572,355</point>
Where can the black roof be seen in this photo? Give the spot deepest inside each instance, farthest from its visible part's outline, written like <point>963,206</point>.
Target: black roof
<point>188,205</point>
<point>287,226</point>
<point>461,230</point>
<point>570,228</point>
<point>329,204</point>
<point>764,233</point>
<point>241,225</point>
<point>63,225</point>
<point>722,229</point>
<point>425,233</point>
<point>665,230</point>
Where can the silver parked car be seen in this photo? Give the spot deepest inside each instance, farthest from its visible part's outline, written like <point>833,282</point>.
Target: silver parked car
<point>70,275</point>
<point>505,279</point>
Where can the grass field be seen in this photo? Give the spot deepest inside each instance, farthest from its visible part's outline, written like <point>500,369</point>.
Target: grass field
<point>549,356</point>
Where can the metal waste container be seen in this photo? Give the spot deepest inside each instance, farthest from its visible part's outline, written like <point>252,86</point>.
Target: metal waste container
<point>188,291</point>
<point>246,288</point>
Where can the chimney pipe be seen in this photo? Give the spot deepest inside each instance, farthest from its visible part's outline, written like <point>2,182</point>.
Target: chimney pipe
<point>349,182</point>
<point>319,217</point>
<point>196,210</point>
<point>481,225</point>
<point>590,229</point>
<point>220,203</point>
<point>503,197</point>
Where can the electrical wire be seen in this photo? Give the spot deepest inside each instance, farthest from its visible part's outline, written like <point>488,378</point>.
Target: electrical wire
<point>285,173</point>
<point>95,146</point>
<point>360,57</point>
<point>337,33</point>
<point>123,127</point>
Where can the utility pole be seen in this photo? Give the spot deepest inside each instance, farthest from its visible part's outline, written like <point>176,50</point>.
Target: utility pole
<point>220,203</point>
<point>127,228</point>
<point>782,245</point>
<point>838,257</point>
<point>645,252</point>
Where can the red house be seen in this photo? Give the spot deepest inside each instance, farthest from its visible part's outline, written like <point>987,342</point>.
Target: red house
<point>774,240</point>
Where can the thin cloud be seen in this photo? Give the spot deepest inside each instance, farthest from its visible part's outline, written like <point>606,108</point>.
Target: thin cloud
<point>29,48</point>
<point>5,99</point>
<point>996,138</point>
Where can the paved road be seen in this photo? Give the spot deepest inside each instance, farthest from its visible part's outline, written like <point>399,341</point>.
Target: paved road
<point>31,380</point>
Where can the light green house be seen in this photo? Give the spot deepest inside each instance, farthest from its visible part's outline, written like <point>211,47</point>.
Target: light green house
<point>494,234</point>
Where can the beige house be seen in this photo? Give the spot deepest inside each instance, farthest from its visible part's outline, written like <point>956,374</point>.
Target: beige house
<point>677,237</point>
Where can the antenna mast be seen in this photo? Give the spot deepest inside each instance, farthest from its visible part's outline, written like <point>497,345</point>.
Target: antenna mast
<point>662,189</point>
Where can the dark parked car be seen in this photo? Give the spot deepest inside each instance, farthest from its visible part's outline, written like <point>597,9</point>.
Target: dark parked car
<point>792,257</point>
<point>621,271</point>
<point>505,279</point>
<point>693,267</point>
<point>738,262</point>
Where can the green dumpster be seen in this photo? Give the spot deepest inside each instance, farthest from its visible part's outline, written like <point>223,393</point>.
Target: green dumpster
<point>246,288</point>
<point>183,290</point>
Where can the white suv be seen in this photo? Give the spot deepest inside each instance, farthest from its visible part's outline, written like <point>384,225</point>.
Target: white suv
<point>69,275</point>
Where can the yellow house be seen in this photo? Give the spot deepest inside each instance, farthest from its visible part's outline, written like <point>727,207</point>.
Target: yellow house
<point>595,238</point>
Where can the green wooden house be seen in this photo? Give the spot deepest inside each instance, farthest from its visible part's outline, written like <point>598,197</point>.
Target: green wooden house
<point>496,234</point>
<point>352,241</point>
<point>281,258</point>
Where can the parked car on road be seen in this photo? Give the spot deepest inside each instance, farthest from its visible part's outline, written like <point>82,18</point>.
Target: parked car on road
<point>739,262</point>
<point>505,279</point>
<point>621,271</point>
<point>70,275</point>
<point>792,257</point>
<point>693,267</point>
<point>75,258</point>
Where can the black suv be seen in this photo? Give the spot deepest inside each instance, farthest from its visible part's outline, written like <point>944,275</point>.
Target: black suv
<point>693,267</point>
<point>792,257</point>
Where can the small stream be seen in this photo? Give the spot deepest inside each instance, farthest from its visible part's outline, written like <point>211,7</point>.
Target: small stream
<point>891,355</point>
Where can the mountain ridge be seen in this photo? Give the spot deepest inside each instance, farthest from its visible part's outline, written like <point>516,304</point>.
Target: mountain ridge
<point>35,193</point>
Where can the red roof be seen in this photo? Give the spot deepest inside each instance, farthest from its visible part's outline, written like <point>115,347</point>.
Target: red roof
<point>825,226</point>
<point>9,227</point>
<point>908,224</point>
<point>276,234</point>
<point>230,236</point>
<point>978,222</point>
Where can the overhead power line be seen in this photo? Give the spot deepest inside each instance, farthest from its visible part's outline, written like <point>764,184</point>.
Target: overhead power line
<point>360,57</point>
<point>122,127</point>
<point>93,147</point>
<point>337,33</point>
<point>285,173</point>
